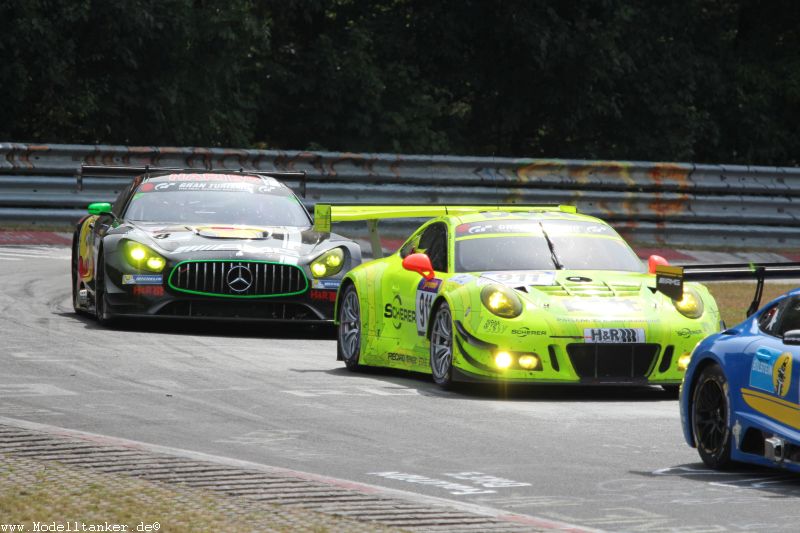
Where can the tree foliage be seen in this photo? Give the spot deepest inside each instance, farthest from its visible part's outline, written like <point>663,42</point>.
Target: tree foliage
<point>675,80</point>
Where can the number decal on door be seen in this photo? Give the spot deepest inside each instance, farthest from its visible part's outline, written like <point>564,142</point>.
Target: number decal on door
<point>426,292</point>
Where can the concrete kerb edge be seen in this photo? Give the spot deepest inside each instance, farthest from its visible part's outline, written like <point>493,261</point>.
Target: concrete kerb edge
<point>365,488</point>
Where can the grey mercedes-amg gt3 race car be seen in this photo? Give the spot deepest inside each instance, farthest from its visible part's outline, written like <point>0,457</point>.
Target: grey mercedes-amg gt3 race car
<point>206,244</point>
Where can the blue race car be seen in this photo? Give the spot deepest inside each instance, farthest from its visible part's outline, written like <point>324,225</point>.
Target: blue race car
<point>740,398</point>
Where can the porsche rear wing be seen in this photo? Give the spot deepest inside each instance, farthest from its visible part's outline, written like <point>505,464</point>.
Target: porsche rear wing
<point>670,279</point>
<point>106,171</point>
<point>327,214</point>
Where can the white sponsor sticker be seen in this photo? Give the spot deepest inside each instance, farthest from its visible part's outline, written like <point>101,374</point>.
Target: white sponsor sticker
<point>613,335</point>
<point>521,278</point>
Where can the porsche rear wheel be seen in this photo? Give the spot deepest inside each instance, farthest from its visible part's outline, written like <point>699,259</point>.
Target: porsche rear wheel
<point>442,346</point>
<point>348,339</point>
<point>710,412</point>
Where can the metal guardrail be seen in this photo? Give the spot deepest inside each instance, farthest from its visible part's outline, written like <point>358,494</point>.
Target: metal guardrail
<point>656,203</point>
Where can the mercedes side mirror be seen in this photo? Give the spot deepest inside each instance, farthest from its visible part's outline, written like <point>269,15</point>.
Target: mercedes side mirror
<point>100,208</point>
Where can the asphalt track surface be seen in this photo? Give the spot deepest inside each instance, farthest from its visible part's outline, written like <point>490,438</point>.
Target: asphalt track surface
<point>610,459</point>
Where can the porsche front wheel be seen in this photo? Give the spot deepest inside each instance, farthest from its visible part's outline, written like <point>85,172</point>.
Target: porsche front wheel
<point>442,346</point>
<point>101,313</point>
<point>349,336</point>
<point>710,411</point>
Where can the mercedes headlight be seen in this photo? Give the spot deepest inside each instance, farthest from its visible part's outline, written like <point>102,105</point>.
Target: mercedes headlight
<point>690,305</point>
<point>328,264</point>
<point>501,301</point>
<point>143,257</point>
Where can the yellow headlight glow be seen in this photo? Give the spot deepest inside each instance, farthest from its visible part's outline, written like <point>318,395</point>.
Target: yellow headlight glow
<point>501,301</point>
<point>328,264</point>
<point>155,263</point>
<point>138,253</point>
<point>318,269</point>
<point>502,360</point>
<point>142,257</point>
<point>528,361</point>
<point>690,306</point>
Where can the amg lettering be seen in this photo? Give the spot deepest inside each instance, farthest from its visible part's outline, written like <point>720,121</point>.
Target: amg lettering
<point>675,282</point>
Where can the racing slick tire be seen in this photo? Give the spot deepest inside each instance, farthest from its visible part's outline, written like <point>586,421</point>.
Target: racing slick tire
<point>100,304</point>
<point>709,414</point>
<point>441,346</point>
<point>348,338</point>
<point>76,277</point>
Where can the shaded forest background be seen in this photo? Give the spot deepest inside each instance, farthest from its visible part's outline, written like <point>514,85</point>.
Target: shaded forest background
<point>714,81</point>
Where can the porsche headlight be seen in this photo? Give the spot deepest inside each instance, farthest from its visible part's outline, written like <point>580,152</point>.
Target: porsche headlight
<point>691,305</point>
<point>142,257</point>
<point>501,301</point>
<point>328,264</point>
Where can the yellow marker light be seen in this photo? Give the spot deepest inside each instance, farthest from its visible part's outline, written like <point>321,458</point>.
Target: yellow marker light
<point>528,361</point>
<point>683,361</point>
<point>333,261</point>
<point>156,263</point>
<point>502,360</point>
<point>138,253</point>
<point>318,269</point>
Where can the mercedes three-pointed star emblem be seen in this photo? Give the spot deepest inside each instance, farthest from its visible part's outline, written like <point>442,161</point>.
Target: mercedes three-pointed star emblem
<point>239,278</point>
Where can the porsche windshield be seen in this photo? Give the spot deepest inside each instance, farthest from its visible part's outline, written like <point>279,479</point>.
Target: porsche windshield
<point>542,245</point>
<point>216,199</point>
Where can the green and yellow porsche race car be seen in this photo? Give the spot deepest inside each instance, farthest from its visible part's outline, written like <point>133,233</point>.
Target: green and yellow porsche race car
<point>514,294</point>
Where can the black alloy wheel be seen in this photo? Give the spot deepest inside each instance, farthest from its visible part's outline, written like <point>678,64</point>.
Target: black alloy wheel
<point>710,413</point>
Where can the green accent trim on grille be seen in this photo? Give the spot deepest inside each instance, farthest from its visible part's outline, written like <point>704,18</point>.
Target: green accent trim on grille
<point>237,296</point>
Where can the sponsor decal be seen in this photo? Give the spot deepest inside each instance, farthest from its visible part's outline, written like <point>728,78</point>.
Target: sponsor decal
<point>232,233</point>
<point>553,227</point>
<point>406,359</point>
<point>686,332</point>
<point>519,278</point>
<point>142,279</point>
<point>148,290</point>
<point>492,325</point>
<point>771,371</point>
<point>426,292</point>
<point>603,306</point>
<point>461,279</point>
<point>326,283</point>
<point>525,331</point>
<point>323,295</point>
<point>613,335</point>
<point>397,313</point>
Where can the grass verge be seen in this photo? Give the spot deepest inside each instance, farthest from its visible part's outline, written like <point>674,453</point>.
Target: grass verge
<point>733,299</point>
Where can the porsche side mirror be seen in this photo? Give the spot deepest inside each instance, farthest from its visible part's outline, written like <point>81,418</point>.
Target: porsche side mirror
<point>419,263</point>
<point>792,337</point>
<point>100,208</point>
<point>655,261</point>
